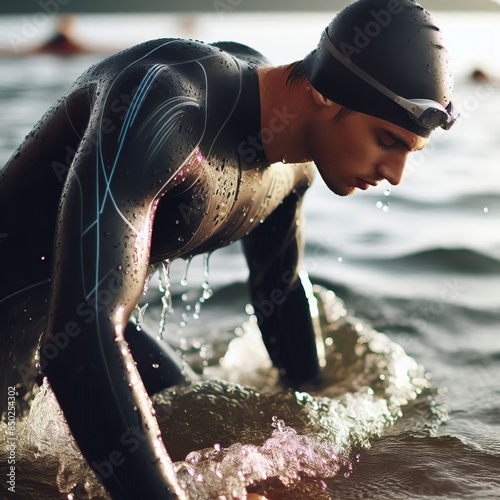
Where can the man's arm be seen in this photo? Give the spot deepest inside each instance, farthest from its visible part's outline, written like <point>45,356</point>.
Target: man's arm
<point>119,173</point>
<point>282,307</point>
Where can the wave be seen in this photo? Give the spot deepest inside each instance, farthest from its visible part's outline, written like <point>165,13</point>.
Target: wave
<point>461,202</point>
<point>407,466</point>
<point>456,260</point>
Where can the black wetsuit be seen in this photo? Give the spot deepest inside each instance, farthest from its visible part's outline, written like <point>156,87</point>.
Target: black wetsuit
<point>153,154</point>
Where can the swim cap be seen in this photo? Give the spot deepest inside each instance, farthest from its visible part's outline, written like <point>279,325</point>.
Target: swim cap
<point>397,43</point>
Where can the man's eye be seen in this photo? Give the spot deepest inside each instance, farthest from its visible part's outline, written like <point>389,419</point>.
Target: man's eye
<point>385,142</point>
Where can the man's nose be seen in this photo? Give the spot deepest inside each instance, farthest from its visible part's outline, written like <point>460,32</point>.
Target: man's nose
<point>392,170</point>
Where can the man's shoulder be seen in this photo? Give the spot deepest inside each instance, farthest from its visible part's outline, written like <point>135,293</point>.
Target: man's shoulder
<point>177,60</point>
<point>176,51</point>
<point>244,52</point>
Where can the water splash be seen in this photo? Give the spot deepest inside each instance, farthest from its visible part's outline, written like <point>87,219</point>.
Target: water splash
<point>368,380</point>
<point>166,299</point>
<point>278,424</point>
<point>280,461</point>
<point>255,437</point>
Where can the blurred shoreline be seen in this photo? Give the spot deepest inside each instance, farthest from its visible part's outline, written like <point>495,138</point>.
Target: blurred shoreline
<point>97,6</point>
<point>474,40</point>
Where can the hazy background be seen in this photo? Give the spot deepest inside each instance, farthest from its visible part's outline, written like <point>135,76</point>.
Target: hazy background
<point>473,33</point>
<point>421,263</point>
<point>27,6</point>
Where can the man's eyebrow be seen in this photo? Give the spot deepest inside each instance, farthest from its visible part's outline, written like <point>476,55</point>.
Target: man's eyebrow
<point>401,140</point>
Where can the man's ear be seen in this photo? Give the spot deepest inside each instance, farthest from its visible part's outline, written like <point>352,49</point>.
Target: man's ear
<point>320,99</point>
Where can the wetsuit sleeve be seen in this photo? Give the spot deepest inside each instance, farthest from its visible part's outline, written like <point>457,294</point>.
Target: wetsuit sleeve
<point>124,164</point>
<point>281,305</point>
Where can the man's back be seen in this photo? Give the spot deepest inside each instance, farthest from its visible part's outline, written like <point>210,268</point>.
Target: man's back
<point>203,120</point>
<point>155,153</point>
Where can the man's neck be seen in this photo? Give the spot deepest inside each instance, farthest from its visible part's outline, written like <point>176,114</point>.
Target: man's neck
<point>283,116</point>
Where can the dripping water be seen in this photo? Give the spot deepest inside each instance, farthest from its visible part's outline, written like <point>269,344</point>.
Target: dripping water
<point>207,292</point>
<point>146,285</point>
<point>184,280</point>
<point>194,310</point>
<point>166,299</point>
<point>384,205</point>
<point>138,315</point>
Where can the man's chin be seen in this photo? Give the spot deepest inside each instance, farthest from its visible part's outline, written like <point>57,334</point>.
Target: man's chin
<point>342,191</point>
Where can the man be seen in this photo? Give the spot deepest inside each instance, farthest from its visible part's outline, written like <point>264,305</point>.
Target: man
<point>216,129</point>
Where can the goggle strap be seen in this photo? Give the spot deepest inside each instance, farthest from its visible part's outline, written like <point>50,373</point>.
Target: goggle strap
<point>362,74</point>
<point>414,110</point>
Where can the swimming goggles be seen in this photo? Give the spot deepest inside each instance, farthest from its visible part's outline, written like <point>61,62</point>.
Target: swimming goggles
<point>426,113</point>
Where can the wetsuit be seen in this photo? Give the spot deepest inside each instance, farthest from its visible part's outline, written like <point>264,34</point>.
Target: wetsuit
<point>154,154</point>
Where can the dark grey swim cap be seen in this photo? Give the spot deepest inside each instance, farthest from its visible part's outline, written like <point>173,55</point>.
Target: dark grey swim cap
<point>398,44</point>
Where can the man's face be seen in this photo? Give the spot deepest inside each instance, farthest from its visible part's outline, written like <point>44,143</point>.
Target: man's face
<point>360,150</point>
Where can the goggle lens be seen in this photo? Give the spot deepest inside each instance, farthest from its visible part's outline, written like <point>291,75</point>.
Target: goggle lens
<point>433,118</point>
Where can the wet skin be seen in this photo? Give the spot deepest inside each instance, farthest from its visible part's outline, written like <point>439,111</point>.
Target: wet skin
<point>98,195</point>
<point>358,150</point>
<point>365,151</point>
<point>154,155</point>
